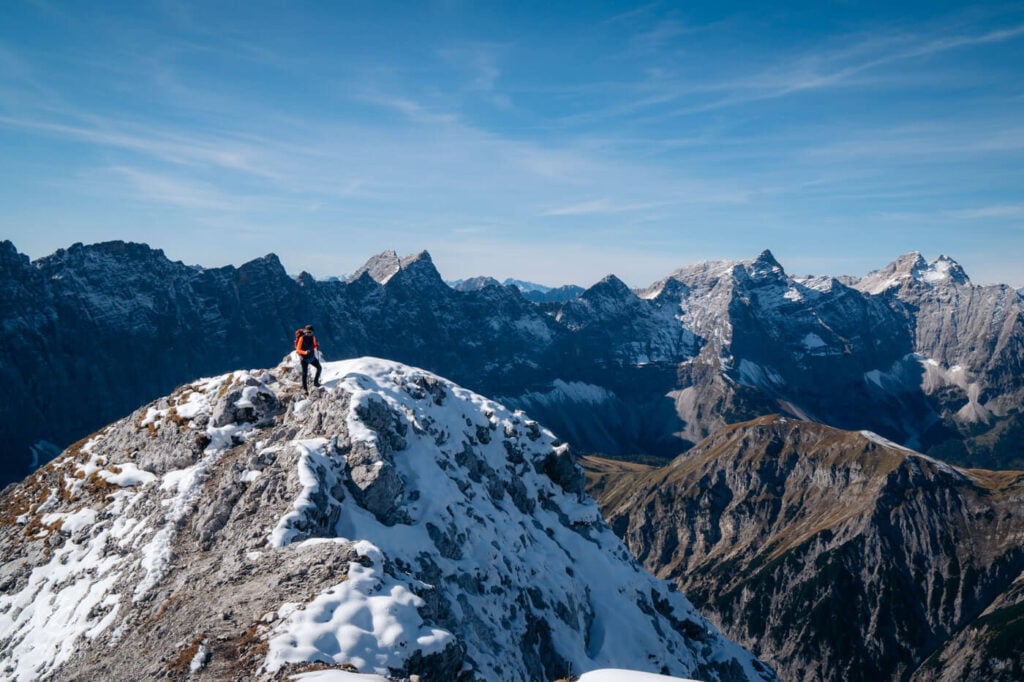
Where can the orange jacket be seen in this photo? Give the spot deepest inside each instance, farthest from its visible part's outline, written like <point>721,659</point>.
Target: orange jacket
<point>305,344</point>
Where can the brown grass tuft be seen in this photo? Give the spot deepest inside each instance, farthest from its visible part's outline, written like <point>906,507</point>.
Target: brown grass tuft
<point>184,660</point>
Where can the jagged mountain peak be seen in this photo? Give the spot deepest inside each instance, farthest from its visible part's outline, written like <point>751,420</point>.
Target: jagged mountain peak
<point>766,259</point>
<point>9,253</point>
<point>114,248</point>
<point>474,283</point>
<point>383,267</point>
<point>269,263</point>
<point>525,286</point>
<point>709,274</point>
<point>609,299</point>
<point>380,268</point>
<point>610,285</point>
<point>391,521</point>
<point>763,268</point>
<point>911,269</point>
<point>945,268</point>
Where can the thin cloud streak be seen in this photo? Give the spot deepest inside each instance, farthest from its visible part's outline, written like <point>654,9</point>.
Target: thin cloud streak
<point>167,147</point>
<point>802,74</point>
<point>600,206</point>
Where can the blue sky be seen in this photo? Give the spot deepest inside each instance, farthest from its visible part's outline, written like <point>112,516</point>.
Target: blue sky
<point>549,141</point>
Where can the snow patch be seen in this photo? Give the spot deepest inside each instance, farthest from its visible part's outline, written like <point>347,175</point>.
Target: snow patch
<point>128,475</point>
<point>941,466</point>
<point>337,676</point>
<point>812,342</point>
<point>198,661</point>
<point>620,675</point>
<point>753,374</point>
<point>370,621</point>
<point>286,529</point>
<point>569,392</point>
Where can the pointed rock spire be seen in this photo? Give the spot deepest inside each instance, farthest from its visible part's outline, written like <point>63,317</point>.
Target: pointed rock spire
<point>380,268</point>
<point>609,286</point>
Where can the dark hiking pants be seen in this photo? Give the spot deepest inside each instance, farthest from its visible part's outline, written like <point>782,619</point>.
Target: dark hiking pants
<point>308,360</point>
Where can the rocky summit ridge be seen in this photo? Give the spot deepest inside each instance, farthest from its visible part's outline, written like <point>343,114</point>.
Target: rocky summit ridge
<point>389,522</point>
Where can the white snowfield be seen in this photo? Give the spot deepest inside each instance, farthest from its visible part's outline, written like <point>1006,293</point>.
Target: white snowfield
<point>505,543</point>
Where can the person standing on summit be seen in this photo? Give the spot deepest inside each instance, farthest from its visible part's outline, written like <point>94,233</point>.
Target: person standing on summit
<point>307,348</point>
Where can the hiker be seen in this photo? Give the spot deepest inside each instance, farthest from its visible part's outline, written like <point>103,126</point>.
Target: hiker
<point>307,347</point>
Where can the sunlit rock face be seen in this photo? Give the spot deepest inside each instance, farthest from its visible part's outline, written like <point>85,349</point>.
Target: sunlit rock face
<point>833,555</point>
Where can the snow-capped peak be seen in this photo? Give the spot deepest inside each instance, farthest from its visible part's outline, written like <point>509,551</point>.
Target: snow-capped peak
<point>944,269</point>
<point>913,268</point>
<point>766,263</point>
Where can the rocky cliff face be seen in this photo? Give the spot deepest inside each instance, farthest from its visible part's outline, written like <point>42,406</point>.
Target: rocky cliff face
<point>389,522</point>
<point>915,352</point>
<point>834,555</point>
<point>768,342</point>
<point>969,342</point>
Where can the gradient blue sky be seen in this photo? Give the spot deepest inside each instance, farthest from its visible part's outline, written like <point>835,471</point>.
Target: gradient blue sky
<point>555,142</point>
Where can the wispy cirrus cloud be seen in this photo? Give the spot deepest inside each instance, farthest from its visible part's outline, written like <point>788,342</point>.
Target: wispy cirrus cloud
<point>856,60</point>
<point>847,66</point>
<point>157,143</point>
<point>409,107</point>
<point>600,206</point>
<point>994,211</point>
<point>174,191</point>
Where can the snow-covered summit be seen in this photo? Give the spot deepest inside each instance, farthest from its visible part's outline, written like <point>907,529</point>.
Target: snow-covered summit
<point>391,521</point>
<point>913,268</point>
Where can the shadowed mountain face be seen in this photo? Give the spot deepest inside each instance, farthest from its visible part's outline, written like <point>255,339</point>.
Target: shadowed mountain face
<point>389,522</point>
<point>834,555</point>
<point>91,332</point>
<point>914,352</point>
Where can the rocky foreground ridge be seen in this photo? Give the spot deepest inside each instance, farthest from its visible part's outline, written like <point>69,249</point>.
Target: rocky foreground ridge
<point>834,555</point>
<point>915,351</point>
<point>390,522</point>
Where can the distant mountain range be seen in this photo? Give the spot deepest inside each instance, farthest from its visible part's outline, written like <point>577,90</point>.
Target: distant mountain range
<point>538,293</point>
<point>915,351</point>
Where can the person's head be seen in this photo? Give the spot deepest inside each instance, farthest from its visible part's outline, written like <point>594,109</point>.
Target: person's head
<point>309,328</point>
